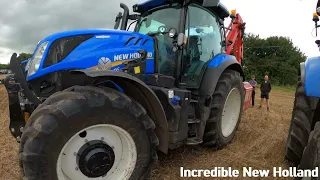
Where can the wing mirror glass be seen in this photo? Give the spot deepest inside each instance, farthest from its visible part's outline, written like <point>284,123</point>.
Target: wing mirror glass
<point>182,39</point>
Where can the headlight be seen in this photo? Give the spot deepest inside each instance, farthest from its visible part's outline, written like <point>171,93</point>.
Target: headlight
<point>27,65</point>
<point>34,64</point>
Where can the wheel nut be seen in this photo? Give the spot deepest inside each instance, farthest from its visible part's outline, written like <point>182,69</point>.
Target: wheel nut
<point>75,153</point>
<point>77,169</point>
<point>102,138</point>
<point>86,140</point>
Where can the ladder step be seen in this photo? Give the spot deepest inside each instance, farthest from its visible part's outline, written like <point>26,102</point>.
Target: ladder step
<point>193,101</point>
<point>193,121</point>
<point>193,141</point>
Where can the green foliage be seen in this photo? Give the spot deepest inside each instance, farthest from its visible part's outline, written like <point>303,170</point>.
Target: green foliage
<point>21,57</point>
<point>275,56</point>
<point>4,66</point>
<point>24,56</point>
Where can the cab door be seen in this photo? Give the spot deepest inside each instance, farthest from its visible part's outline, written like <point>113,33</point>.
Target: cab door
<point>204,41</point>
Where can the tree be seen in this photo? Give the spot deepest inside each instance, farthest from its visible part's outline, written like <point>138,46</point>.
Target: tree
<point>4,66</point>
<point>24,56</point>
<point>274,56</point>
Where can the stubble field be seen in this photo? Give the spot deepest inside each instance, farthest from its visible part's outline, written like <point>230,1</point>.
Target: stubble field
<point>259,143</point>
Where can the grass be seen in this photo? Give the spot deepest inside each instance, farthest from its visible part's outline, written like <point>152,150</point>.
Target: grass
<point>288,89</point>
<point>259,142</point>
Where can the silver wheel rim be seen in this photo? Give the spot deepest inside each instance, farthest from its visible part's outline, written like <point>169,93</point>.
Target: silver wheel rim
<point>121,142</point>
<point>231,112</point>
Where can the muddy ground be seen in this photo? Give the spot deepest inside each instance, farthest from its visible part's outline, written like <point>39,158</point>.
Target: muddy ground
<point>259,143</point>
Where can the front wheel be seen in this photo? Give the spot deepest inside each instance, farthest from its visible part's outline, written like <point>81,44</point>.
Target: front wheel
<point>87,133</point>
<point>226,110</point>
<point>311,154</point>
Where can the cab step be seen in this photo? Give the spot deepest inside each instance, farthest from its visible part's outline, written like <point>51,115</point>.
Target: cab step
<point>194,141</point>
<point>193,121</point>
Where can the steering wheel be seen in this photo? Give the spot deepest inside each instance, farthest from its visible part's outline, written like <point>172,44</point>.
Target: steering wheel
<point>162,29</point>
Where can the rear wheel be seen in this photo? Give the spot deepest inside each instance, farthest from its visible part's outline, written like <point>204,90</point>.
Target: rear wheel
<point>300,126</point>
<point>88,133</point>
<point>226,110</point>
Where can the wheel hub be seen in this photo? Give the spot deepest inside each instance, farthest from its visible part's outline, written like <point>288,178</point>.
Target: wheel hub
<point>95,158</point>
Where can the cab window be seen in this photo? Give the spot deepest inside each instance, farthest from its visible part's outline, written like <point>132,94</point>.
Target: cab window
<point>204,42</point>
<point>205,36</point>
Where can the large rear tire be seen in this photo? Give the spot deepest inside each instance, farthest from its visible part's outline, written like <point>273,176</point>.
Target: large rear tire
<point>300,127</point>
<point>85,132</point>
<point>311,154</point>
<point>226,110</point>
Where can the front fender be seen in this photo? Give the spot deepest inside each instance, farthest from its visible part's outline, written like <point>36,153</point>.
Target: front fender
<point>140,92</point>
<point>215,69</point>
<point>310,76</point>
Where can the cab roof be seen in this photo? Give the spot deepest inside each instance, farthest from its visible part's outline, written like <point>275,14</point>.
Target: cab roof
<point>221,10</point>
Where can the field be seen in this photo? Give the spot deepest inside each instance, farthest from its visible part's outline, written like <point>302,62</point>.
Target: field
<point>259,142</point>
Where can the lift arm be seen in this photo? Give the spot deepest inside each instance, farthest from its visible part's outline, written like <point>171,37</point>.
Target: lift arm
<point>235,32</point>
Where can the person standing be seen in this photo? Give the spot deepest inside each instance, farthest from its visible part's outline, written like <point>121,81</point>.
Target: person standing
<point>253,83</point>
<point>265,89</point>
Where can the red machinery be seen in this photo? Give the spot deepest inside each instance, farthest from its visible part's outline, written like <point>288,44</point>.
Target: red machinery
<point>235,32</point>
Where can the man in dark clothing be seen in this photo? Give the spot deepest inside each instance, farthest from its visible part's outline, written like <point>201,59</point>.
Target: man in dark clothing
<point>265,89</point>
<point>253,83</point>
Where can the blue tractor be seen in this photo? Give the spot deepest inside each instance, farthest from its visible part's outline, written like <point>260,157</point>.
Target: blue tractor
<point>100,103</point>
<point>303,142</point>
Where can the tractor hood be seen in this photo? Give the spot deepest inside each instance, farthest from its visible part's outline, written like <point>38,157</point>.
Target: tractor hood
<point>89,49</point>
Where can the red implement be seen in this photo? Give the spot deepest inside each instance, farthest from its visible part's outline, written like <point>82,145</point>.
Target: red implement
<point>235,32</point>
<point>247,95</point>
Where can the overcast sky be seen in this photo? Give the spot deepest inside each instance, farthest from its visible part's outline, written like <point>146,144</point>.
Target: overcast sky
<point>24,22</point>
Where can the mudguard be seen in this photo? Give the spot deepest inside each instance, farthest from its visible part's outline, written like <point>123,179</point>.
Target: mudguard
<point>310,76</point>
<point>139,91</point>
<point>215,68</point>
<point>309,80</point>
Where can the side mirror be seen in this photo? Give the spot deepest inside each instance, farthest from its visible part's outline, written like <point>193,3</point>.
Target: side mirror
<point>118,18</point>
<point>172,33</point>
<point>181,39</point>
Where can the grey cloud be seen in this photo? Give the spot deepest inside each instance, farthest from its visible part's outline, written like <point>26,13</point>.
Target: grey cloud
<point>24,22</point>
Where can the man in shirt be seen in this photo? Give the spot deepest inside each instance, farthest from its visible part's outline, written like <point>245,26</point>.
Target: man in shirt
<point>253,83</point>
<point>265,89</point>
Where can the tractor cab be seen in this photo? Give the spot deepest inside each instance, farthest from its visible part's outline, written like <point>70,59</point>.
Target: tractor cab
<point>187,35</point>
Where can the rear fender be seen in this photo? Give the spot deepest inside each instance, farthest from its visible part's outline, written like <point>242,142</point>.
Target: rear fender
<point>215,69</point>
<point>310,76</point>
<point>139,91</point>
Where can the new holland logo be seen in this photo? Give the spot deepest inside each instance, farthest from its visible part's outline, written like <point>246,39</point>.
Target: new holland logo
<point>104,63</point>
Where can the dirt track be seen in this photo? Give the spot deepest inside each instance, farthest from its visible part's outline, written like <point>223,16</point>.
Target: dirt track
<point>259,143</point>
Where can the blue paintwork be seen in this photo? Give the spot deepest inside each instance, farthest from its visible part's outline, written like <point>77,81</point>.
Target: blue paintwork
<point>118,87</point>
<point>88,53</point>
<point>149,4</point>
<point>219,59</point>
<point>24,61</point>
<point>312,76</point>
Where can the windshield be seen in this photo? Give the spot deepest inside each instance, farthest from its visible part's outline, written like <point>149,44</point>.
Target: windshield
<point>155,24</point>
<point>158,20</point>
